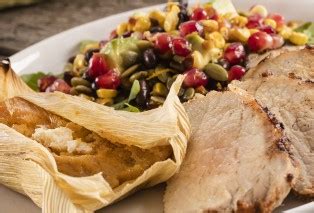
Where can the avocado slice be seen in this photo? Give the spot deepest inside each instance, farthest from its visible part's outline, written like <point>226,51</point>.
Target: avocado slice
<point>122,52</point>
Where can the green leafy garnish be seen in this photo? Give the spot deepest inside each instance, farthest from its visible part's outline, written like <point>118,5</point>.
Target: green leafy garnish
<point>31,79</point>
<point>135,89</point>
<point>308,29</point>
<point>131,108</point>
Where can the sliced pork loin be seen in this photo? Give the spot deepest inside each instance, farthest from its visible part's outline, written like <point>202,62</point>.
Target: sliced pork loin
<point>295,61</point>
<point>292,103</point>
<point>237,159</point>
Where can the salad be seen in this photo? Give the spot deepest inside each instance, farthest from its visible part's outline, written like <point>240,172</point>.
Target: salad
<point>135,67</point>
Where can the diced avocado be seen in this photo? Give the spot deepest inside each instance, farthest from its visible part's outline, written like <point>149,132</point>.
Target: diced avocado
<point>118,51</point>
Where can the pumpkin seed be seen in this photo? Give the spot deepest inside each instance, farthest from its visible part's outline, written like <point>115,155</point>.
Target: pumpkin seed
<point>160,89</point>
<point>75,81</point>
<point>158,100</point>
<point>181,92</point>
<point>163,77</point>
<point>169,83</point>
<point>176,66</point>
<point>106,93</point>
<point>130,71</point>
<point>73,91</point>
<point>188,94</point>
<point>138,75</point>
<point>216,72</point>
<point>83,89</point>
<point>129,58</point>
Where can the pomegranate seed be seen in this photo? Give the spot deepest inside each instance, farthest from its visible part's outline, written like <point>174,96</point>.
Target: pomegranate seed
<point>278,41</point>
<point>199,14</point>
<point>162,42</point>
<point>97,66</point>
<point>260,41</point>
<point>279,19</point>
<point>110,80</point>
<point>190,27</point>
<point>181,47</point>
<point>254,21</point>
<point>235,53</point>
<point>236,72</point>
<point>267,29</point>
<point>195,78</point>
<point>211,13</point>
<point>44,82</point>
<point>59,85</point>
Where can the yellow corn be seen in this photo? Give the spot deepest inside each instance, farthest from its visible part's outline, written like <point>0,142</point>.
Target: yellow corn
<point>293,24</point>
<point>122,28</point>
<point>239,34</point>
<point>215,54</point>
<point>216,38</point>
<point>252,31</point>
<point>158,16</point>
<point>285,32</point>
<point>224,32</point>
<point>228,16</point>
<point>240,21</point>
<point>298,38</point>
<point>198,60</point>
<point>210,25</point>
<point>172,18</point>
<point>142,24</point>
<point>79,62</point>
<point>260,10</point>
<point>270,22</point>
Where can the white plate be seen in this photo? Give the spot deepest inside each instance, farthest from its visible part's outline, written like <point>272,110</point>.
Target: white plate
<point>51,54</point>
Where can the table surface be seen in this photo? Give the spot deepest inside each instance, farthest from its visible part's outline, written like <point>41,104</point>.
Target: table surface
<point>20,27</point>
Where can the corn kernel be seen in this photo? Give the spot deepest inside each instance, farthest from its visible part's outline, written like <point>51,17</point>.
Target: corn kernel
<point>239,34</point>
<point>293,24</point>
<point>210,25</point>
<point>240,21</point>
<point>122,28</point>
<point>260,10</point>
<point>228,15</point>
<point>79,62</point>
<point>217,39</point>
<point>172,18</point>
<point>224,32</point>
<point>285,32</point>
<point>158,16</point>
<point>198,60</point>
<point>298,38</point>
<point>270,22</point>
<point>215,54</point>
<point>252,31</point>
<point>142,24</point>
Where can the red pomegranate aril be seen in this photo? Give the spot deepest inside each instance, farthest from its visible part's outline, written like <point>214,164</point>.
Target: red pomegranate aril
<point>279,19</point>
<point>267,29</point>
<point>236,72</point>
<point>162,43</point>
<point>235,53</point>
<point>254,21</point>
<point>195,78</point>
<point>44,82</point>
<point>199,14</point>
<point>260,41</point>
<point>190,27</point>
<point>278,41</point>
<point>110,80</point>
<point>59,85</point>
<point>181,47</point>
<point>97,66</point>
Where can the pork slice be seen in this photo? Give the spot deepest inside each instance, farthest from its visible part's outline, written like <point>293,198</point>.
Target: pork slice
<point>292,103</point>
<point>237,160</point>
<point>288,61</point>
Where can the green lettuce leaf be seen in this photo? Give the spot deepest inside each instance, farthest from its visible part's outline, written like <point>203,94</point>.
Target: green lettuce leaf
<point>31,79</point>
<point>308,29</point>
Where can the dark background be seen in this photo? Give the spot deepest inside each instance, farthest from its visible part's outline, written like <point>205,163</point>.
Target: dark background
<point>23,26</point>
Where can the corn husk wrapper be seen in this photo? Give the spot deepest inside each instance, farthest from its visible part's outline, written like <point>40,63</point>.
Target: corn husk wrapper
<point>29,168</point>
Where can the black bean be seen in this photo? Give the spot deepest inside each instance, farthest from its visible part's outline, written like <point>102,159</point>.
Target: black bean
<point>156,29</point>
<point>90,53</point>
<point>87,77</point>
<point>94,86</point>
<point>143,96</point>
<point>71,59</point>
<point>183,16</point>
<point>154,22</point>
<point>149,58</point>
<point>67,76</point>
<point>224,63</point>
<point>127,34</point>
